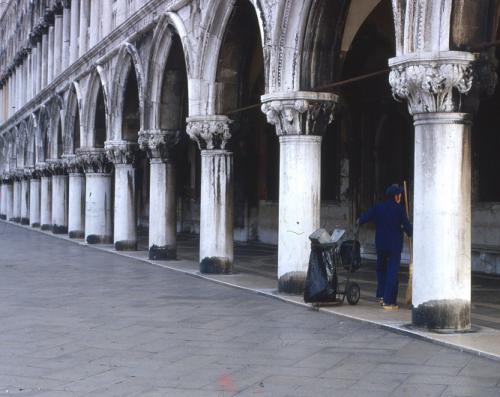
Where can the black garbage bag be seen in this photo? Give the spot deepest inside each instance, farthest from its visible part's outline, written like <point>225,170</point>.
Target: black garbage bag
<point>321,280</point>
<point>350,253</point>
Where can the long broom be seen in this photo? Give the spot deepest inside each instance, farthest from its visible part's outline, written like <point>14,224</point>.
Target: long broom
<point>410,248</point>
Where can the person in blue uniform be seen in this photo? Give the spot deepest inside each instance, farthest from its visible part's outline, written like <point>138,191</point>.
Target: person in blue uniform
<point>390,220</point>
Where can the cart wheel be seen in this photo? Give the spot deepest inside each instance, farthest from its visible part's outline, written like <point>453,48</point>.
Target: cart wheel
<point>353,293</point>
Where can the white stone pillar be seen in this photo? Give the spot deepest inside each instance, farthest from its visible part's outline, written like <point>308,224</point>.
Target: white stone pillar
<point>122,154</point>
<point>16,215</point>
<point>107,17</point>
<point>75,31</point>
<point>76,211</point>
<point>59,197</point>
<point>3,195</point>
<point>44,60</point>
<point>216,207</point>
<point>50,55</point>
<point>46,201</point>
<point>94,23</point>
<point>39,63</point>
<point>442,192</point>
<point>98,196</point>
<point>58,45</point>
<point>84,21</point>
<point>35,201</point>
<point>9,199</point>
<point>159,145</point>
<point>300,118</point>
<point>66,34</point>
<point>25,201</point>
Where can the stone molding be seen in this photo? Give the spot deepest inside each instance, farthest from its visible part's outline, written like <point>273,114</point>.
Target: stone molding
<point>440,82</point>
<point>43,169</point>
<point>209,132</point>
<point>299,112</point>
<point>159,144</point>
<point>94,160</point>
<point>121,152</point>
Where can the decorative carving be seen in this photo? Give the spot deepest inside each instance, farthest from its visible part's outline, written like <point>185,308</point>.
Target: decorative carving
<point>73,165</point>
<point>440,82</point>
<point>159,144</point>
<point>94,160</point>
<point>56,166</point>
<point>210,132</point>
<point>299,112</point>
<point>121,152</point>
<point>43,169</point>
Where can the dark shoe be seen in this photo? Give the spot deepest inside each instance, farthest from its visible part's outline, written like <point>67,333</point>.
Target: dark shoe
<point>390,307</point>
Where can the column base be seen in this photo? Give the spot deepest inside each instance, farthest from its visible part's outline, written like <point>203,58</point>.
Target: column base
<point>36,224</point>
<point>446,314</point>
<point>56,229</point>
<point>292,283</point>
<point>3,217</point>
<point>126,245</point>
<point>215,265</point>
<point>76,234</point>
<point>25,221</point>
<point>46,227</point>
<point>16,219</point>
<point>162,253</point>
<point>95,239</point>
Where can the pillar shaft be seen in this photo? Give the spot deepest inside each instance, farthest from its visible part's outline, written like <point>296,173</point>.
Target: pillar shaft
<point>25,201</point>
<point>9,200</point>
<point>58,45</point>
<point>84,21</point>
<point>16,215</point>
<point>3,197</point>
<point>39,63</point>
<point>162,210</point>
<point>46,202</point>
<point>50,55</point>
<point>43,61</point>
<point>299,207</point>
<point>60,204</point>
<point>76,205</point>
<point>98,208</point>
<point>125,225</point>
<point>66,40</point>
<point>35,202</point>
<point>94,23</point>
<point>216,212</point>
<point>74,31</point>
<point>107,17</point>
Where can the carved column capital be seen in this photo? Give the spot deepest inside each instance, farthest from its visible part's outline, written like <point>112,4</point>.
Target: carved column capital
<point>447,81</point>
<point>42,169</point>
<point>94,160</point>
<point>299,112</point>
<point>121,152</point>
<point>56,167</point>
<point>159,144</point>
<point>6,177</point>
<point>210,132</point>
<point>73,164</point>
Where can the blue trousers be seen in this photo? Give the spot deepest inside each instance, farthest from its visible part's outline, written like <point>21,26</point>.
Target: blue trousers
<point>387,276</point>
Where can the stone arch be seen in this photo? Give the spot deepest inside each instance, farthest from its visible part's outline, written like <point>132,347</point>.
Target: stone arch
<point>73,111</point>
<point>168,25</point>
<point>41,140</point>
<point>31,128</point>
<point>96,88</point>
<point>128,61</point>
<point>206,65</point>
<point>56,128</point>
<point>23,143</point>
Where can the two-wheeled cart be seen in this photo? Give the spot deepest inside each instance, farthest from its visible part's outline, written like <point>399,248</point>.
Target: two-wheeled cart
<point>332,256</point>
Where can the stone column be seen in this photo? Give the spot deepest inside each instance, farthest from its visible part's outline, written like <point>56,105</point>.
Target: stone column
<point>43,61</point>
<point>66,34</point>
<point>216,207</point>
<point>59,196</point>
<point>98,196</point>
<point>16,214</point>
<point>107,17</point>
<point>75,31</point>
<point>58,45</point>
<point>45,197</point>
<point>3,195</point>
<point>50,55</point>
<point>122,155</point>
<point>25,197</point>
<point>35,199</point>
<point>39,67</point>
<point>84,21</point>
<point>9,197</point>
<point>300,118</point>
<point>94,23</point>
<point>76,200</point>
<point>162,196</point>
<point>435,86</point>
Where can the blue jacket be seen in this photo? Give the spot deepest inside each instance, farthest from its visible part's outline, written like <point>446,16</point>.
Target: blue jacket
<point>390,220</point>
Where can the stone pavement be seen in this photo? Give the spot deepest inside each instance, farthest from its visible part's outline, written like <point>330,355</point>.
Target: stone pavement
<point>78,321</point>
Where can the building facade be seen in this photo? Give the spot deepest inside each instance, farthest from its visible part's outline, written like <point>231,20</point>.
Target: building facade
<point>248,120</point>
